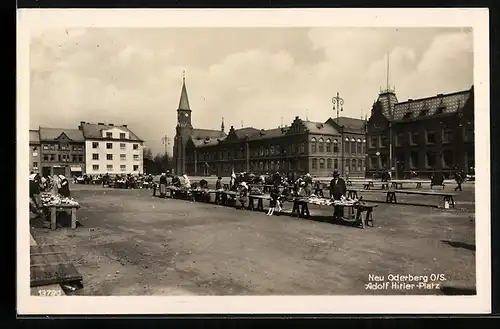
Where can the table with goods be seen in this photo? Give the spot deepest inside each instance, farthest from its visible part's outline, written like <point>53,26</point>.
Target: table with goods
<point>53,203</point>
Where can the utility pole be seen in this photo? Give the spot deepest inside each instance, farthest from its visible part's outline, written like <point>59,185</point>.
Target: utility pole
<point>166,143</point>
<point>338,105</point>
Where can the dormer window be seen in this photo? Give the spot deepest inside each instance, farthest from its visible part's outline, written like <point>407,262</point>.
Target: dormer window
<point>424,112</point>
<point>122,135</point>
<point>109,135</point>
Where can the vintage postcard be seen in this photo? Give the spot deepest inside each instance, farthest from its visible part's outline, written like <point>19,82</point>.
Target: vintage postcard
<point>253,161</point>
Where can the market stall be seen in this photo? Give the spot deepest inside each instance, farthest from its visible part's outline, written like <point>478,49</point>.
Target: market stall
<point>53,204</point>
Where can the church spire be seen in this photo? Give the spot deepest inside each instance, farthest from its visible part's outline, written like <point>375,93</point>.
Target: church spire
<point>222,125</point>
<point>184,101</point>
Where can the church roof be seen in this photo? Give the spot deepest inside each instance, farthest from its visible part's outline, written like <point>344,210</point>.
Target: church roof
<point>184,100</point>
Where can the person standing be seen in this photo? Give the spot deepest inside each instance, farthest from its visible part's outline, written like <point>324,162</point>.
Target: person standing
<point>459,178</point>
<point>163,185</point>
<point>34,190</point>
<point>337,190</point>
<point>64,187</point>
<point>218,183</point>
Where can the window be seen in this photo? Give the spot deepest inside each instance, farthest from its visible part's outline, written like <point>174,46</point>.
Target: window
<point>109,167</point>
<point>136,146</point>
<point>321,146</point>
<point>302,147</point>
<point>383,140</point>
<point>360,165</point>
<point>373,162</point>
<point>431,159</point>
<point>123,146</point>
<point>447,159</point>
<point>95,156</point>
<point>373,141</point>
<point>35,153</point>
<point>272,150</point>
<point>267,151</point>
<point>109,156</point>
<point>109,135</point>
<point>413,160</point>
<point>383,160</point>
<point>122,135</point>
<point>53,147</point>
<point>65,147</point>
<point>414,137</point>
<point>347,164</point>
<point>95,167</point>
<point>346,145</point>
<point>359,146</point>
<point>74,158</point>
<point>353,146</point>
<point>59,157</point>
<point>292,149</point>
<point>399,139</point>
<point>136,168</point>
<point>45,157</point>
<point>353,165</point>
<point>80,158</point>
<point>52,157</point>
<point>45,147</point>
<point>430,137</point>
<point>329,164</point>
<point>35,165</point>
<point>314,163</point>
<point>328,146</point>
<point>335,146</point>
<point>95,145</point>
<point>136,157</point>
<point>313,145</point>
<point>123,167</point>
<point>335,164</point>
<point>123,157</point>
<point>109,146</point>
<point>447,135</point>
<point>321,163</point>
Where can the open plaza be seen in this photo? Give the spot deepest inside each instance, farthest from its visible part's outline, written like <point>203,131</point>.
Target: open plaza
<point>129,242</point>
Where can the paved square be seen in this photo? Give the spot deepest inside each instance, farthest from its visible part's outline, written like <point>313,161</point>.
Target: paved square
<point>130,243</point>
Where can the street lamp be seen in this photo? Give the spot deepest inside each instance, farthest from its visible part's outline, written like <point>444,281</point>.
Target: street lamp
<point>378,162</point>
<point>338,105</point>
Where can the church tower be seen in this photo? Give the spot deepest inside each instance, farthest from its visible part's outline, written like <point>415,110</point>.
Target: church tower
<point>183,130</point>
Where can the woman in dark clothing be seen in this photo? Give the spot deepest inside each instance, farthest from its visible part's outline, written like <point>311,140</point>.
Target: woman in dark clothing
<point>163,185</point>
<point>35,189</point>
<point>218,183</point>
<point>273,204</point>
<point>459,178</point>
<point>64,189</point>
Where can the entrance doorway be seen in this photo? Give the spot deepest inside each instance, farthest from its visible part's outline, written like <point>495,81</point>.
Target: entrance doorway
<point>45,171</point>
<point>59,171</point>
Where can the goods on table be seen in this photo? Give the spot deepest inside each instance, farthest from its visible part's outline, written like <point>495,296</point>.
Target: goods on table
<point>256,191</point>
<point>50,200</point>
<point>329,202</point>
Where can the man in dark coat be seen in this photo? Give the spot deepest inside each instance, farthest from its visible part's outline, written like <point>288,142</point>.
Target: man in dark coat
<point>337,190</point>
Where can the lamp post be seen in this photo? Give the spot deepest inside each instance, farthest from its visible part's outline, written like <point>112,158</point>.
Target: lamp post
<point>338,105</point>
<point>378,162</point>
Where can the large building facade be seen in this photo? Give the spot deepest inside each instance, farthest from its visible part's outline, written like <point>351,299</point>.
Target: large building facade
<point>34,151</point>
<point>111,149</point>
<point>61,151</point>
<point>302,147</point>
<point>427,135</point>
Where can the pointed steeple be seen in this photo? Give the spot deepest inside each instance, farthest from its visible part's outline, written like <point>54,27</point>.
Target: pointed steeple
<point>184,101</point>
<point>222,126</point>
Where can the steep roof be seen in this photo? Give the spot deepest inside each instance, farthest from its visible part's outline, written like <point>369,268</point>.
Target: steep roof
<point>94,131</point>
<point>204,133</point>
<point>204,142</point>
<point>244,132</point>
<point>351,124</point>
<point>319,128</point>
<point>429,106</point>
<point>387,101</point>
<point>184,101</point>
<point>267,133</point>
<point>51,134</point>
<point>34,137</point>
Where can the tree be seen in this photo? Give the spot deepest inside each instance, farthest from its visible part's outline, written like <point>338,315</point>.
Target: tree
<point>147,153</point>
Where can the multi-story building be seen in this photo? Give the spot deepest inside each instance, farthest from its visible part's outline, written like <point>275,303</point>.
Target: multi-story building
<point>111,149</point>
<point>427,135</point>
<point>303,147</point>
<point>34,156</point>
<point>61,151</point>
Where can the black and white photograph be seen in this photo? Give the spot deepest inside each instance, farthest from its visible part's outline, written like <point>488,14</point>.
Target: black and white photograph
<point>253,161</point>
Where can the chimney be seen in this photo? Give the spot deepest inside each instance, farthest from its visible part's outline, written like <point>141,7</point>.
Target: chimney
<point>82,122</point>
<point>439,95</point>
<point>125,126</point>
<point>111,124</point>
<point>100,123</point>
<point>410,100</point>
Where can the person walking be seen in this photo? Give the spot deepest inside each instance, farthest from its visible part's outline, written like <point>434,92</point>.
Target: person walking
<point>163,185</point>
<point>459,178</point>
<point>337,190</point>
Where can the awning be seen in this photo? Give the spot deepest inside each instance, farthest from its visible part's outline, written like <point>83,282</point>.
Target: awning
<point>76,168</point>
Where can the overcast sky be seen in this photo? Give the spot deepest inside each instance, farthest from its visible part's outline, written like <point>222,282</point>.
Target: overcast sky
<point>254,75</point>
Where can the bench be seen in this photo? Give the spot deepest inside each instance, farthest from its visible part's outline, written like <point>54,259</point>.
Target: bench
<point>260,202</point>
<point>447,197</point>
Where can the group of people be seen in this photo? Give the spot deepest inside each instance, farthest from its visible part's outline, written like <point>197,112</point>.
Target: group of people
<point>39,184</point>
<point>176,181</point>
